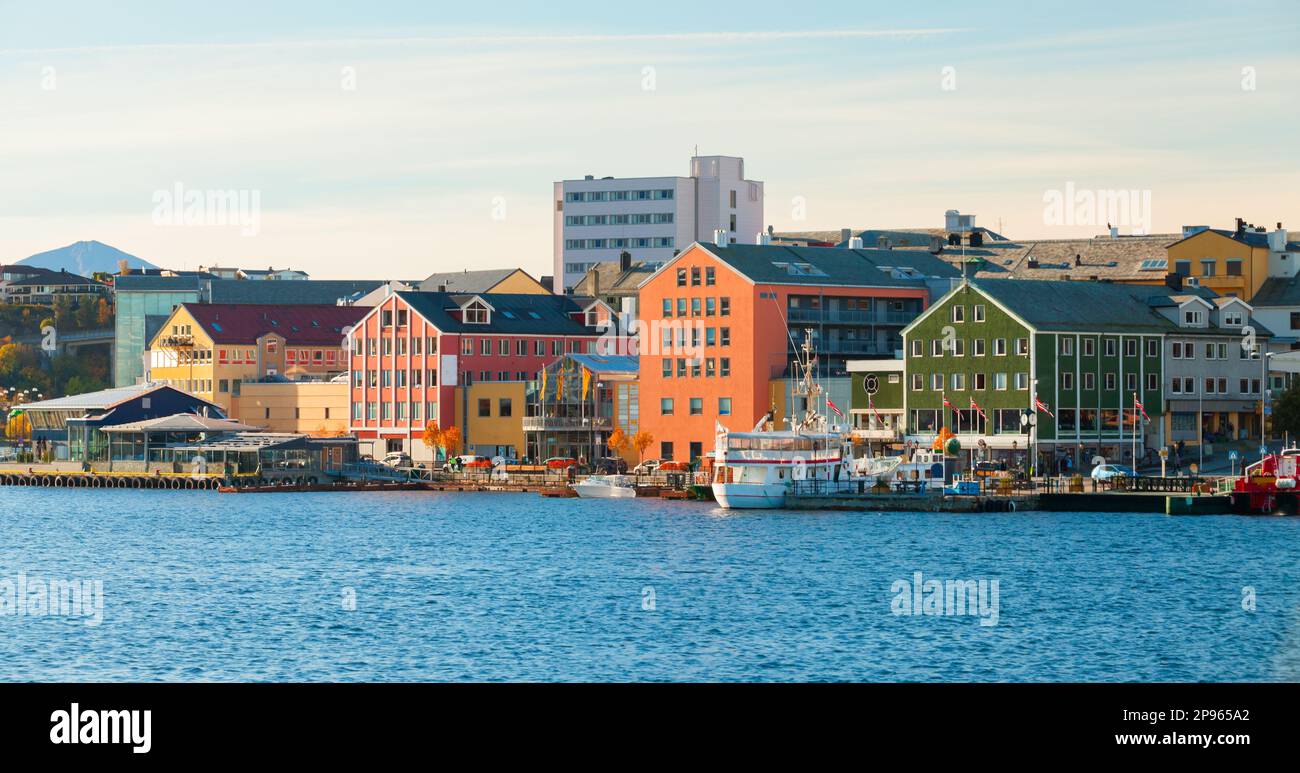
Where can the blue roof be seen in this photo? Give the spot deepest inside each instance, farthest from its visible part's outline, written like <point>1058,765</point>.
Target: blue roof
<point>599,363</point>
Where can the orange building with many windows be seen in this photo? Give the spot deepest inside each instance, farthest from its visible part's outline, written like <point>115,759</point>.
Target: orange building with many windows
<point>720,322</point>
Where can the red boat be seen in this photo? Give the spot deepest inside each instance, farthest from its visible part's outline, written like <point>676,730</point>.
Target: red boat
<point>1269,485</point>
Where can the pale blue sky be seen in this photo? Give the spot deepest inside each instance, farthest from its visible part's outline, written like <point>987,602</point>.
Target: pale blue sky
<point>460,108</point>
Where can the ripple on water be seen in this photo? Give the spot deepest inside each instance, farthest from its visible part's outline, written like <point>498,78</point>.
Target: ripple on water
<point>205,587</point>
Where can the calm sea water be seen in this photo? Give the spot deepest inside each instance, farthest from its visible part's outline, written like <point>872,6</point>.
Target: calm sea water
<point>204,586</point>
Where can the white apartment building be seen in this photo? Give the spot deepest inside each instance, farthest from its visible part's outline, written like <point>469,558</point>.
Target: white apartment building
<point>651,217</point>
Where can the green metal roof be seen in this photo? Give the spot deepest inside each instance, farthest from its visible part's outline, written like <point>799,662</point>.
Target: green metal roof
<point>1069,306</point>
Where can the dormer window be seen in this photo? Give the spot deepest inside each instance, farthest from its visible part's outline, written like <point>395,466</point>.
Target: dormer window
<point>1233,319</point>
<point>477,313</point>
<point>593,318</point>
<point>1194,317</point>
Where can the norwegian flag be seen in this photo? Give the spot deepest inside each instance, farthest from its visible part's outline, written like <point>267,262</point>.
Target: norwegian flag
<point>1039,405</point>
<point>976,407</point>
<point>946,404</point>
<point>1138,405</point>
<point>949,406</point>
<point>831,404</point>
<point>871,404</point>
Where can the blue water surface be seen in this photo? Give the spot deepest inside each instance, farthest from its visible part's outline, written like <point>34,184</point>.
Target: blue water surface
<point>447,586</point>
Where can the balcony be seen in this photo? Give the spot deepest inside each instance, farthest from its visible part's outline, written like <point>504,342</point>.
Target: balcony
<point>847,317</point>
<point>566,423</point>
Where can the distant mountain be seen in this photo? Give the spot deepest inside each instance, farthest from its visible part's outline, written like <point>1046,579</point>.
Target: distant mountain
<point>85,258</point>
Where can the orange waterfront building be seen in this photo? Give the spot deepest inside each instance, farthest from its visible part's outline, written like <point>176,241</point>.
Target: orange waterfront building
<point>720,324</point>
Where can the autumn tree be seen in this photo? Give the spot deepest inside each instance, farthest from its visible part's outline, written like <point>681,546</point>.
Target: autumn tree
<point>432,437</point>
<point>619,442</point>
<point>641,441</point>
<point>450,440</point>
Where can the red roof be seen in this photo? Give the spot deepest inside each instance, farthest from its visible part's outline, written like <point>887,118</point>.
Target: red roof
<point>298,324</point>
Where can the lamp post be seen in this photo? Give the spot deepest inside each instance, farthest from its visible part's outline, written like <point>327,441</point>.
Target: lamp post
<point>1263,396</point>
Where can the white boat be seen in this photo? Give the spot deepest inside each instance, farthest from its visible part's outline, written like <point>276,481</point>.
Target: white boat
<point>756,469</point>
<point>606,487</point>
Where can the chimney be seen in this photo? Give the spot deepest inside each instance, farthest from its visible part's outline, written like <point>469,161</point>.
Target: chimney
<point>882,242</point>
<point>442,287</point>
<point>763,238</point>
<point>595,279</point>
<point>1174,280</point>
<point>936,244</point>
<point>1241,227</point>
<point>720,237</point>
<point>624,260</point>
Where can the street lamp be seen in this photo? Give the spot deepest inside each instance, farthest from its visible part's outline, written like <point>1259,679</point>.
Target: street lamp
<point>1263,396</point>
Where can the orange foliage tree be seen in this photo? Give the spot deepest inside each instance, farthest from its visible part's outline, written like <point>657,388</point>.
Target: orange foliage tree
<point>641,441</point>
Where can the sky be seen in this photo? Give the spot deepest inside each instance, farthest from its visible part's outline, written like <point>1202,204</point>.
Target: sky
<point>395,139</point>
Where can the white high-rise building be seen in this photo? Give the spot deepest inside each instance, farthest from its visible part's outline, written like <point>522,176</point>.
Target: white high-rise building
<point>652,217</point>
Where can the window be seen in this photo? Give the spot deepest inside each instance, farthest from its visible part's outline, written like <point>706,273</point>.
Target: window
<point>681,307</point>
<point>505,407</point>
<point>1022,381</point>
<point>936,347</point>
<point>958,313</point>
<point>665,406</point>
<point>695,276</point>
<point>1130,347</point>
<point>724,406</point>
<point>695,307</point>
<point>1183,267</point>
<point>979,382</point>
<point>1153,382</point>
<point>708,276</point>
<point>681,367</point>
<point>999,347</point>
<point>1089,381</point>
<point>1110,382</point>
<point>1233,319</point>
<point>1067,347</point>
<point>681,277</point>
<point>918,346</point>
<point>1207,266</point>
<point>485,346</point>
<point>666,451</point>
<point>918,382</point>
<point>1067,381</point>
<point>977,347</point>
<point>978,312</point>
<point>1193,316</point>
<point>958,382</point>
<point>936,381</point>
<point>724,366</point>
<point>1153,347</point>
<point>1110,347</point>
<point>1089,347</point>
<point>724,336</point>
<point>1232,267</point>
<point>668,307</point>
<point>667,364</point>
<point>1000,381</point>
<point>1022,346</point>
<point>724,306</point>
<point>710,306</point>
<point>476,313</point>
<point>697,406</point>
<point>1131,382</point>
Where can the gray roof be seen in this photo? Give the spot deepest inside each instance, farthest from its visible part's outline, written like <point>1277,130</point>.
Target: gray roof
<point>101,399</point>
<point>53,278</point>
<point>182,422</point>
<point>776,264</point>
<point>1278,291</point>
<point>158,284</point>
<point>1070,306</point>
<point>478,281</point>
<point>300,291</point>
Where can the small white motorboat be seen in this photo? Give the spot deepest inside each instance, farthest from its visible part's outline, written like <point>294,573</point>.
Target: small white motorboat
<point>606,487</point>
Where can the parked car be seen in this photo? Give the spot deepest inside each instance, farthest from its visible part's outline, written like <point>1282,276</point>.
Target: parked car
<point>611,465</point>
<point>560,462</point>
<point>397,459</point>
<point>1112,471</point>
<point>646,467</point>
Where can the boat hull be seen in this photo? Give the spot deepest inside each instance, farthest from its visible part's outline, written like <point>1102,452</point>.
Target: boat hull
<point>603,492</point>
<point>749,496</point>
